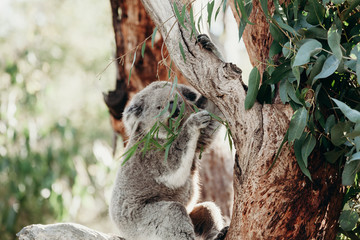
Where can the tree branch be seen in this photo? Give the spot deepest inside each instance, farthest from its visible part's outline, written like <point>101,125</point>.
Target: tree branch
<point>63,231</point>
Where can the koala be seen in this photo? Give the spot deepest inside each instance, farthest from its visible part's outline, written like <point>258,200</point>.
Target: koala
<point>154,199</point>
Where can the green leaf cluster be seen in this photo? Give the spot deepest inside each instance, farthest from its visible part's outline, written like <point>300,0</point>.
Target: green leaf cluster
<point>314,66</point>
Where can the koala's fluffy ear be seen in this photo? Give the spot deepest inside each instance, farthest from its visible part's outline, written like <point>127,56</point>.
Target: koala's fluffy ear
<point>188,93</point>
<point>135,108</point>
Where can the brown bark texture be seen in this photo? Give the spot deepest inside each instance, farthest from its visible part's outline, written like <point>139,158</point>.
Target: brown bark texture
<point>281,203</point>
<point>132,25</point>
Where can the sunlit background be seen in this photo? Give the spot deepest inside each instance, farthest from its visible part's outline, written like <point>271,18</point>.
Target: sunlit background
<point>55,136</point>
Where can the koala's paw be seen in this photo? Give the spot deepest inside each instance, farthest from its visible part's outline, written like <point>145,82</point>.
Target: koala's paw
<point>200,119</point>
<point>205,42</point>
<point>222,234</point>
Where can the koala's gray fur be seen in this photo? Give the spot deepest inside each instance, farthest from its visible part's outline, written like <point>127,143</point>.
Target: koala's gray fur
<point>156,199</point>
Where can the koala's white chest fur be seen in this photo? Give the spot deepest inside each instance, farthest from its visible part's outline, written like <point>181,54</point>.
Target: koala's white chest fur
<point>178,177</point>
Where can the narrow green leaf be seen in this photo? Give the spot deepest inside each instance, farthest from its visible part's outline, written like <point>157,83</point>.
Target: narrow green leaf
<point>153,36</point>
<point>180,17</point>
<point>253,88</point>
<point>199,21</point>
<point>334,37</point>
<point>167,149</point>
<point>216,117</point>
<point>192,22</point>
<point>174,85</point>
<point>297,124</point>
<point>180,117</point>
<point>129,153</point>
<point>352,114</point>
<point>210,8</point>
<point>217,12</point>
<point>182,51</point>
<point>169,71</point>
<point>307,147</point>
<point>146,144</point>
<point>329,67</point>
<point>307,50</point>
<point>143,49</point>
<point>174,105</point>
<point>242,26</point>
<point>163,111</point>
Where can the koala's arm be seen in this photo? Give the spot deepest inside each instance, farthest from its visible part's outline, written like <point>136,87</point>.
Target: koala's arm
<point>182,151</point>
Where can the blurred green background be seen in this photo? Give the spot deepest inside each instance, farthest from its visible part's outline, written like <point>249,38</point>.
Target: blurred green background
<point>55,136</point>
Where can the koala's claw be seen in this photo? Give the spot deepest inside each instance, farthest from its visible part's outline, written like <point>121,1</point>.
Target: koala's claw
<point>222,234</point>
<point>200,119</point>
<point>205,42</point>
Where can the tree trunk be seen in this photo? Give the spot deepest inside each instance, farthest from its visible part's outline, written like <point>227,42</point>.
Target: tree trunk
<point>282,204</point>
<point>132,26</point>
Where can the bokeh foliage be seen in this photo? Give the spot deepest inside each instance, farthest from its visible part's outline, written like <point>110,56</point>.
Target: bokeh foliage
<point>54,126</point>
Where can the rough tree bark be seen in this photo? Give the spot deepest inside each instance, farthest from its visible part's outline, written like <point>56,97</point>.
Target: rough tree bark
<point>282,204</point>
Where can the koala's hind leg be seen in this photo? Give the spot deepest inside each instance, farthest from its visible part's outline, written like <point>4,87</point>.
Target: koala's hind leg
<point>166,220</point>
<point>208,222</point>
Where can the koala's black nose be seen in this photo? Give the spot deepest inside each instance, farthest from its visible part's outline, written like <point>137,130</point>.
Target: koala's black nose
<point>176,113</point>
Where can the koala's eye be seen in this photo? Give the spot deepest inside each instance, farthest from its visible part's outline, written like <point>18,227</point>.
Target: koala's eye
<point>158,107</point>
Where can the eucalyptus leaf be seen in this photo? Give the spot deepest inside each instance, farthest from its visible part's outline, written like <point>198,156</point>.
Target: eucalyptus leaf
<point>153,37</point>
<point>337,133</point>
<point>355,157</point>
<point>334,155</point>
<point>317,68</point>
<point>284,26</point>
<point>283,91</point>
<point>210,8</point>
<point>330,122</point>
<point>352,114</point>
<point>316,12</point>
<point>348,220</point>
<point>143,49</point>
<point>308,49</point>
<point>287,50</point>
<point>349,173</point>
<point>253,88</point>
<point>307,147</point>
<point>297,124</point>
<point>334,37</point>
<point>182,52</point>
<point>329,67</point>
<point>297,149</point>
